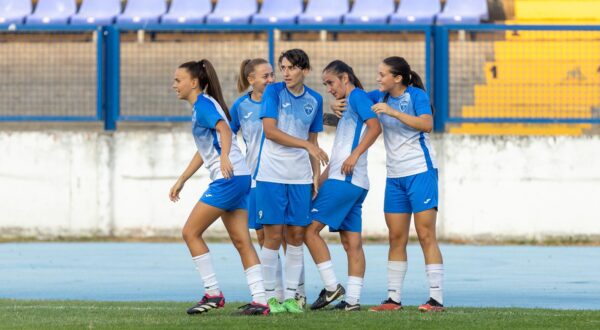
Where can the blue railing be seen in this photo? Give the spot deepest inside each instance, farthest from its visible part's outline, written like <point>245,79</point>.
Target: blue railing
<point>436,45</point>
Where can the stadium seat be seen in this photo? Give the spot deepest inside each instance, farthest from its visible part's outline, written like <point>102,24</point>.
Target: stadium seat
<point>463,12</point>
<point>187,12</point>
<point>142,12</point>
<point>52,12</point>
<point>278,12</point>
<point>97,12</point>
<point>324,12</point>
<point>370,12</point>
<point>14,11</point>
<point>416,12</point>
<point>232,12</point>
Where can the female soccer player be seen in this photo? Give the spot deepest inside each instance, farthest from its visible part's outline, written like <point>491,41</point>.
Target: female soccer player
<point>245,115</point>
<point>226,196</point>
<point>412,184</point>
<point>345,183</point>
<point>288,169</point>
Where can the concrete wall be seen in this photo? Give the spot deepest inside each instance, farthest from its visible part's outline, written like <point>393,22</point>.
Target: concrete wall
<point>80,183</point>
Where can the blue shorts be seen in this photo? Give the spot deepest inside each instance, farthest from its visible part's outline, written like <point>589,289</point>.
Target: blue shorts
<point>228,194</point>
<point>283,204</point>
<point>252,224</point>
<point>412,194</point>
<point>339,206</point>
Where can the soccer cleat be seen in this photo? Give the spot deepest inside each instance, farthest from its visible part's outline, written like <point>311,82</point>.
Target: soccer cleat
<point>292,306</point>
<point>343,305</point>
<point>275,307</point>
<point>253,308</point>
<point>327,297</point>
<point>301,301</point>
<point>207,303</point>
<point>432,306</point>
<point>387,305</point>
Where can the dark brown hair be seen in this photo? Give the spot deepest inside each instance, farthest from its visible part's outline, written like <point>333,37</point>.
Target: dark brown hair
<point>208,80</point>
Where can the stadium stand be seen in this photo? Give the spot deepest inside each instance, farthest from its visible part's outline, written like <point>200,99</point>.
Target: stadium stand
<point>142,12</point>
<point>14,11</point>
<point>97,12</point>
<point>463,12</point>
<point>541,74</point>
<point>187,12</point>
<point>278,12</point>
<point>370,12</point>
<point>416,12</point>
<point>52,12</point>
<point>232,12</point>
<point>324,12</point>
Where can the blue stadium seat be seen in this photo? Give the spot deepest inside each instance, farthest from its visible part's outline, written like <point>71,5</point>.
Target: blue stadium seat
<point>232,12</point>
<point>463,12</point>
<point>52,12</point>
<point>370,12</point>
<point>416,12</point>
<point>14,11</point>
<point>97,12</point>
<point>187,12</point>
<point>142,12</point>
<point>278,12</point>
<point>324,12</point>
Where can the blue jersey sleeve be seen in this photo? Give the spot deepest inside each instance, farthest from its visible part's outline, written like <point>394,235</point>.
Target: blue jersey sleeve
<point>361,102</point>
<point>270,103</point>
<point>235,116</point>
<point>207,115</point>
<point>317,124</point>
<point>375,95</point>
<point>421,102</point>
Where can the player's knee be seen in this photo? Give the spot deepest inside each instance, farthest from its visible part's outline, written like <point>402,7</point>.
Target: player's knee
<point>397,237</point>
<point>427,237</point>
<point>188,234</point>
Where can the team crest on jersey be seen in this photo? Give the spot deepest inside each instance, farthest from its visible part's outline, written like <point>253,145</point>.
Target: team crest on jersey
<point>404,105</point>
<point>308,108</point>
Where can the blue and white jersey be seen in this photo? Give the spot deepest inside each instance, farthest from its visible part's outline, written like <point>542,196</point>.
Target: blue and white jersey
<point>297,116</point>
<point>205,115</point>
<point>350,131</point>
<point>245,115</point>
<point>408,150</point>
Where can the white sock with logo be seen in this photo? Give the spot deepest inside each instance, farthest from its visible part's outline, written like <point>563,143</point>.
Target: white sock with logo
<point>269,258</point>
<point>204,266</point>
<point>435,275</point>
<point>355,284</point>
<point>254,277</point>
<point>294,259</point>
<point>328,275</point>
<point>396,273</point>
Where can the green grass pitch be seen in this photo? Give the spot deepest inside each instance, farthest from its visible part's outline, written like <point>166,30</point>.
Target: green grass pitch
<point>25,314</point>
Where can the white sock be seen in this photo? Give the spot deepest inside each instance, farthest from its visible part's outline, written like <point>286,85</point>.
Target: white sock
<point>204,266</point>
<point>396,273</point>
<point>254,277</point>
<point>435,275</point>
<point>354,287</point>
<point>301,291</point>
<point>328,275</point>
<point>269,266</point>
<point>279,280</point>
<point>294,259</point>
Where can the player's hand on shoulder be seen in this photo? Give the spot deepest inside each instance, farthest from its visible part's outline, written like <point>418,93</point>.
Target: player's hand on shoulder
<point>338,107</point>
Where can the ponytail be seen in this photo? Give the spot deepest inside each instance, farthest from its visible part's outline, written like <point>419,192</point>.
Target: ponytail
<point>207,80</point>
<point>338,68</point>
<point>400,67</point>
<point>247,68</point>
